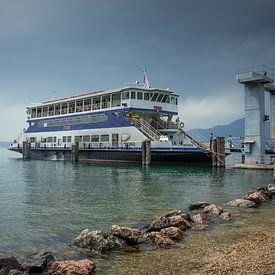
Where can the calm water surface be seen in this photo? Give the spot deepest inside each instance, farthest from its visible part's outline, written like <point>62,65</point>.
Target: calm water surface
<point>45,204</point>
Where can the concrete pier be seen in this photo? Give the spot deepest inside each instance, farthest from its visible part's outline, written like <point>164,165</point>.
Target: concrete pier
<point>214,152</point>
<point>75,152</point>
<point>274,171</point>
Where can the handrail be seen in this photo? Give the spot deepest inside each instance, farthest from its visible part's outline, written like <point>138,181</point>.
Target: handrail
<point>146,129</point>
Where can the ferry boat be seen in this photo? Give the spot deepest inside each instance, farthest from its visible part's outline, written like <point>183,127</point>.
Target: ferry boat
<point>111,126</point>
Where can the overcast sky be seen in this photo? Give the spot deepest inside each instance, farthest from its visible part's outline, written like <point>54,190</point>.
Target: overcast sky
<point>193,47</point>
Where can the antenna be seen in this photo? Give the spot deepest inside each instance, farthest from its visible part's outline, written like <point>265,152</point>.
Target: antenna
<point>53,94</point>
<point>145,80</point>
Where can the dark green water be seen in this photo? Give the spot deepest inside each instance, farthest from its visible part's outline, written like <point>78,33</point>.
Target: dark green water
<point>45,204</point>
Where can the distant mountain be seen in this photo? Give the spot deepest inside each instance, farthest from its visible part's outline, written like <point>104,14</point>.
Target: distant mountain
<point>235,129</point>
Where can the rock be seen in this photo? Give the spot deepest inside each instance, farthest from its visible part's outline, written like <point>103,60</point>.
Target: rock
<point>159,238</point>
<point>39,263</point>
<point>128,234</point>
<point>172,232</point>
<point>98,241</point>
<point>201,218</point>
<point>201,227</point>
<point>271,188</point>
<point>242,203</point>
<point>15,272</point>
<point>9,263</point>
<point>72,267</point>
<point>226,216</point>
<point>213,208</point>
<point>198,205</point>
<point>184,215</point>
<point>164,222</point>
<point>258,197</point>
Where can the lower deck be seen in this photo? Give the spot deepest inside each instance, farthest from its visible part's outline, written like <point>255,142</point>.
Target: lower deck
<point>185,156</point>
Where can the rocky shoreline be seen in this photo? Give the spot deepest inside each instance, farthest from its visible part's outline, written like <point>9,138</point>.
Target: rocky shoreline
<point>164,231</point>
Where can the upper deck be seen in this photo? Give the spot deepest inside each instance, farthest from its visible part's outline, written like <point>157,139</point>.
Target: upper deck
<point>128,97</point>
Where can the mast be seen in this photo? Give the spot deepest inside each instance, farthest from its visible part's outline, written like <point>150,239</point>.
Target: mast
<point>145,80</point>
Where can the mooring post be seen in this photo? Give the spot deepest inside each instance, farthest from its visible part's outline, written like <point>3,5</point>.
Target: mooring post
<point>148,152</point>
<point>274,170</point>
<point>214,152</point>
<point>220,152</point>
<point>143,152</point>
<point>26,150</point>
<point>75,152</point>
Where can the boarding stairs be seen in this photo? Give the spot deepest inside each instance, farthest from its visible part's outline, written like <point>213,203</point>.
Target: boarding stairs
<point>144,127</point>
<point>195,141</point>
<point>163,125</point>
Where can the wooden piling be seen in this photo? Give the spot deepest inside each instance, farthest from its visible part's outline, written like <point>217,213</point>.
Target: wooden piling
<point>75,152</point>
<point>214,152</point>
<point>148,152</point>
<point>273,170</point>
<point>26,150</point>
<point>220,152</point>
<point>143,152</point>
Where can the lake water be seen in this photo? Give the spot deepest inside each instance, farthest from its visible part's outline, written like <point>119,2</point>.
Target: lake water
<point>44,205</point>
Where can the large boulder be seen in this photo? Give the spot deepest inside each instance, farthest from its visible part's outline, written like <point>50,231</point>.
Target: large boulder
<point>159,239</point>
<point>72,267</point>
<point>184,215</point>
<point>167,221</point>
<point>130,235</point>
<point>258,197</point>
<point>38,263</point>
<point>201,218</point>
<point>242,203</point>
<point>198,205</point>
<point>15,272</point>
<point>271,188</point>
<point>9,263</point>
<point>213,208</point>
<point>98,241</point>
<point>172,232</point>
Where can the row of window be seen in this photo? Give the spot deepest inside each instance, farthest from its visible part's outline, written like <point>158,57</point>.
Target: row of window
<point>68,139</point>
<point>97,118</point>
<point>98,102</point>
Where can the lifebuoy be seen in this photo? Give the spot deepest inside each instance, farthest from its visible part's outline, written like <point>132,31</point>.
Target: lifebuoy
<point>181,125</point>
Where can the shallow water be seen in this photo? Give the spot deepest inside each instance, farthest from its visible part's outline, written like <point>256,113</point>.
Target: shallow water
<point>45,204</point>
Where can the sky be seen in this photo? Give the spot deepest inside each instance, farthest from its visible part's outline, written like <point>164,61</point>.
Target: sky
<point>194,47</point>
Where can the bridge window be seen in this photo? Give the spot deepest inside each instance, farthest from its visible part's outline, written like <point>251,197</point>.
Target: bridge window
<point>154,97</point>
<point>69,139</point>
<point>146,96</point>
<point>133,95</point>
<point>45,111</point>
<point>33,139</point>
<point>160,97</point>
<point>125,95</point>
<point>139,95</point>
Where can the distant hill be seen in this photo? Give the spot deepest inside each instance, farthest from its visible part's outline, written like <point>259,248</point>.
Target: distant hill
<point>235,129</point>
